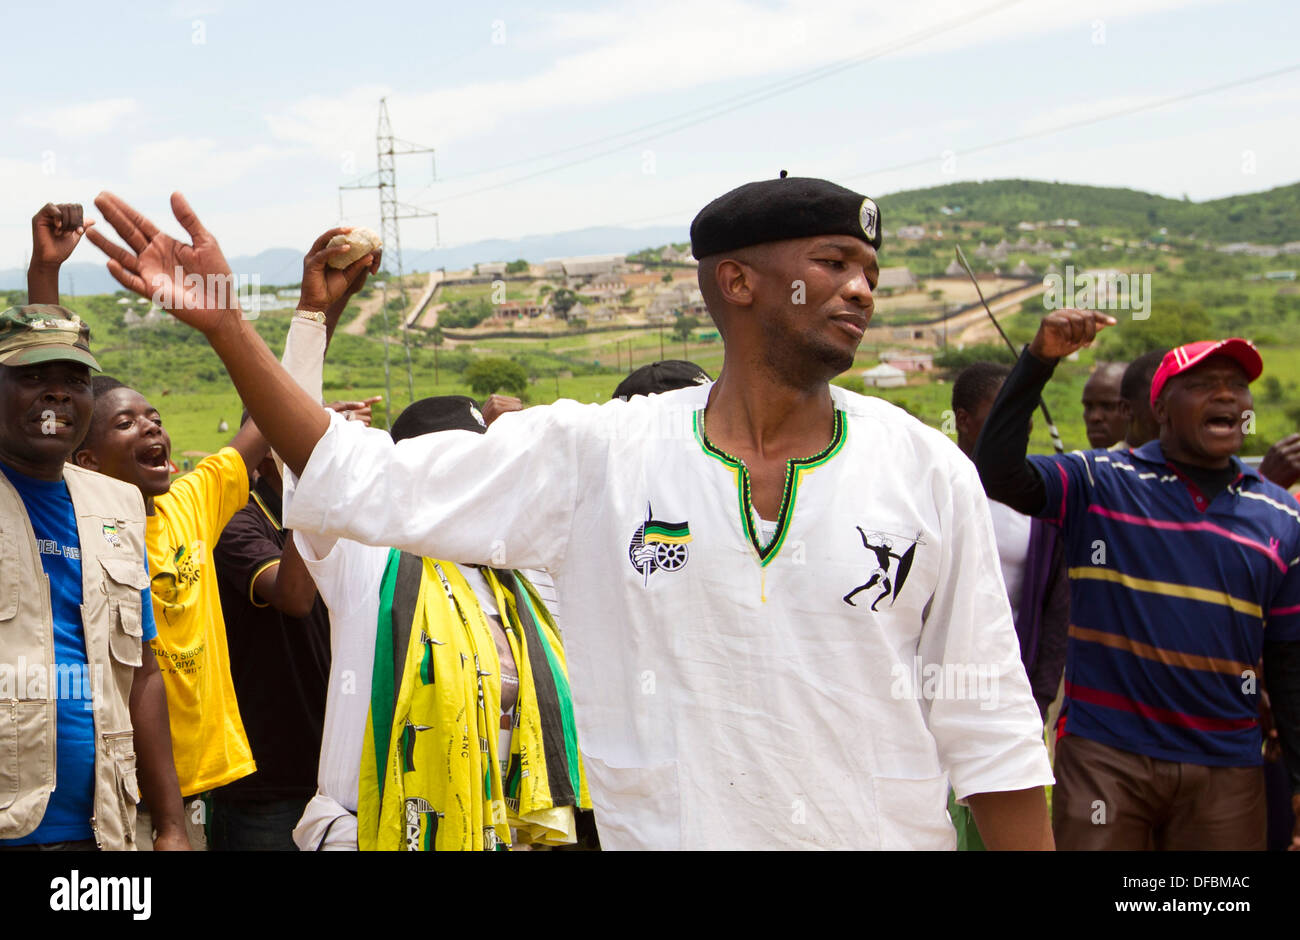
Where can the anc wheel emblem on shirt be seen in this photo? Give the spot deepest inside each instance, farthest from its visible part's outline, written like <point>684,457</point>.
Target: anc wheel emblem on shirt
<point>659,546</point>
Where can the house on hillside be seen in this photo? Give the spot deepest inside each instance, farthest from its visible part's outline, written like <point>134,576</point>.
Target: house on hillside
<point>681,297</point>
<point>884,376</point>
<point>604,287</point>
<point>553,268</point>
<point>909,361</point>
<point>1026,227</point>
<point>601,314</point>
<point>672,255</point>
<point>954,269</point>
<point>518,309</point>
<point>911,231</point>
<point>587,267</point>
<point>492,269</point>
<point>1022,270</point>
<point>896,280</point>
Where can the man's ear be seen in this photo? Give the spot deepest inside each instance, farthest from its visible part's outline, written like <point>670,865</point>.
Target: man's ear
<point>735,281</point>
<point>85,459</point>
<point>1160,410</point>
<point>961,417</point>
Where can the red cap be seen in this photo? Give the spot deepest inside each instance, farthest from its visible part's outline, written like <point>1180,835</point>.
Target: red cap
<point>1179,360</point>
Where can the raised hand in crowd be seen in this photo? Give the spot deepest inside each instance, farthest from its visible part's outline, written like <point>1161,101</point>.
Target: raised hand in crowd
<point>1063,332</point>
<point>497,405</point>
<point>325,287</point>
<point>355,410</point>
<point>56,230</point>
<point>1282,462</point>
<point>151,263</point>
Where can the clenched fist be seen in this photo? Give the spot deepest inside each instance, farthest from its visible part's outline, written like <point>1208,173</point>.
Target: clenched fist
<point>56,229</point>
<point>1066,331</point>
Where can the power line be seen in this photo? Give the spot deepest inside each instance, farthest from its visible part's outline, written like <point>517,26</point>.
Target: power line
<point>1084,122</point>
<point>700,114</point>
<point>1030,135</point>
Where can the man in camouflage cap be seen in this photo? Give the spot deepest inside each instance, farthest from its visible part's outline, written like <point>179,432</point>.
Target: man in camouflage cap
<point>98,712</point>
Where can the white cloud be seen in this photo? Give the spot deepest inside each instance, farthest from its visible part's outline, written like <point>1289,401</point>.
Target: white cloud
<point>640,51</point>
<point>86,119</point>
<point>196,164</point>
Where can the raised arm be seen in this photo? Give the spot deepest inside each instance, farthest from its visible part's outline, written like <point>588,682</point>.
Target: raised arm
<point>1000,451</point>
<point>250,443</point>
<point>285,414</point>
<point>56,230</point>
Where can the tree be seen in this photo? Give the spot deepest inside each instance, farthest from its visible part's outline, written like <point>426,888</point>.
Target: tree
<point>562,301</point>
<point>667,278</point>
<point>517,267</point>
<point>1169,323</point>
<point>495,374</point>
<point>1272,389</point>
<point>684,326</point>
<point>577,323</point>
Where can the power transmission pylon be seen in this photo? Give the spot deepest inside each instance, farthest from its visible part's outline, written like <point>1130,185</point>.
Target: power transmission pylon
<point>391,210</point>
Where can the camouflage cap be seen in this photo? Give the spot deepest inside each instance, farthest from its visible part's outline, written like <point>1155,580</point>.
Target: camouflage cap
<point>38,333</point>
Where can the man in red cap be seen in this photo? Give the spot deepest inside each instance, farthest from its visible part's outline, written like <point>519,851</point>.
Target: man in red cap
<point>1185,571</point>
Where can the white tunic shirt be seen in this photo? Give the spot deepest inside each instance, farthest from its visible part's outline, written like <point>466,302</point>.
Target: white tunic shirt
<point>727,696</point>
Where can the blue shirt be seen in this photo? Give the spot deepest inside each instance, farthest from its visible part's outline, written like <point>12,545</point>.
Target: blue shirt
<point>54,523</point>
<point>1171,598</point>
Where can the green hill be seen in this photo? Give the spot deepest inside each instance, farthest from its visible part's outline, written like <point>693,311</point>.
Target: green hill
<point>1268,217</point>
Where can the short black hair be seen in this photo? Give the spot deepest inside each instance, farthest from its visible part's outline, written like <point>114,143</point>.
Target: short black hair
<point>976,383</point>
<point>100,385</point>
<point>1136,383</point>
<point>103,384</point>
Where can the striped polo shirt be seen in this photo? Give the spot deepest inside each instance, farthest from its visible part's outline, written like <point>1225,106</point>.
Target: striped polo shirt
<point>1171,597</point>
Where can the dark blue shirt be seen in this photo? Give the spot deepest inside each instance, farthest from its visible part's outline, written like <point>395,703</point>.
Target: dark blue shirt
<point>54,523</point>
<point>1173,593</point>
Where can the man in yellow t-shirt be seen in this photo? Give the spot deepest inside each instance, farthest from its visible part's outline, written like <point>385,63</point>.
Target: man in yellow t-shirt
<point>185,520</point>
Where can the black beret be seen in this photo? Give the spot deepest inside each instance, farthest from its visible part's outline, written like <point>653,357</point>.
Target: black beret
<point>775,210</point>
<point>441,413</point>
<point>661,377</point>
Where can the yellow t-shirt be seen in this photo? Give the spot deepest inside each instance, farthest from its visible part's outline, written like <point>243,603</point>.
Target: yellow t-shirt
<point>208,738</point>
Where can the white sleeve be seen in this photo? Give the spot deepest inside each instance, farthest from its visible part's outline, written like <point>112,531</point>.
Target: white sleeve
<point>348,576</point>
<point>304,360</point>
<point>989,734</point>
<point>506,498</point>
<point>304,355</point>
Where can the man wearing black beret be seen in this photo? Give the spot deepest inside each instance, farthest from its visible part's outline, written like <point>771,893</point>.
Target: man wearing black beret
<point>784,619</point>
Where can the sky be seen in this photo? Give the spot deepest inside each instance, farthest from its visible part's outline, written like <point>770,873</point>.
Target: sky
<point>570,115</point>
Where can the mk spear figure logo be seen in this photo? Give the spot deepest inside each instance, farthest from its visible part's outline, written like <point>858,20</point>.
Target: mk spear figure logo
<point>658,545</point>
<point>881,545</point>
<point>421,838</point>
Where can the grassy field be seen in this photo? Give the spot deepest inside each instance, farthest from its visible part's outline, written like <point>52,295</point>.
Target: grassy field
<point>1210,295</point>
